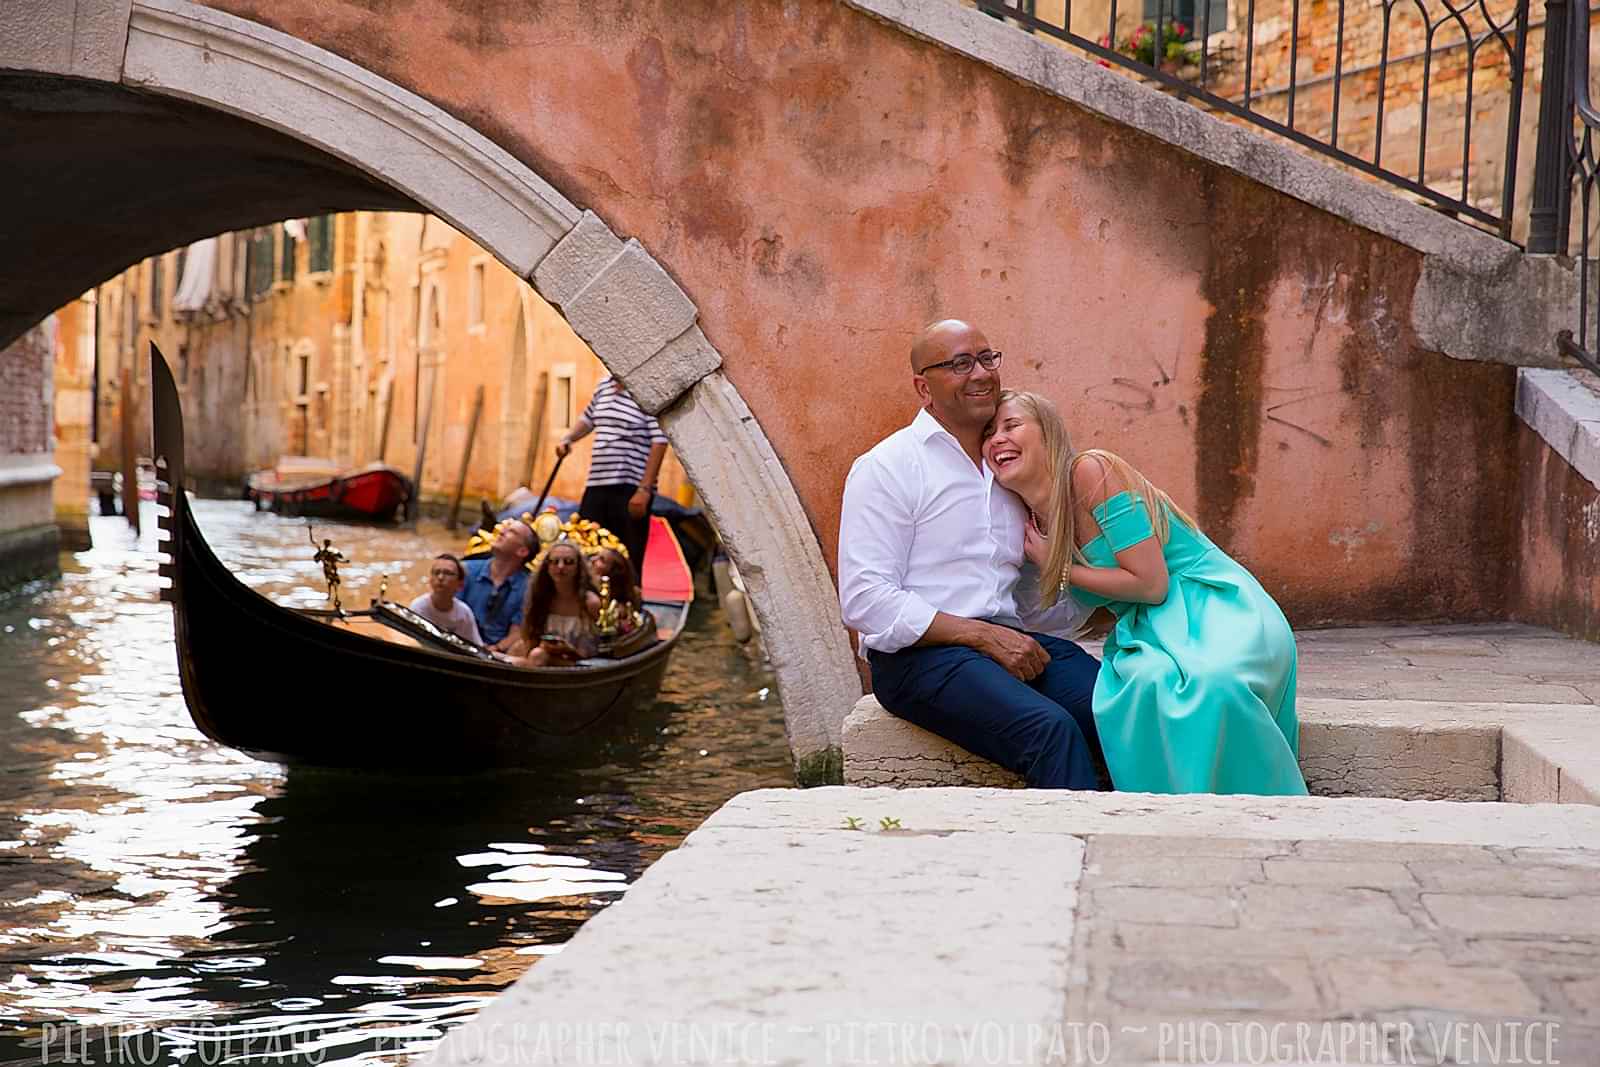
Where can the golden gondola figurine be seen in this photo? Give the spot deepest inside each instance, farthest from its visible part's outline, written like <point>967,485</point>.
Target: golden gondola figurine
<point>608,621</point>
<point>330,558</point>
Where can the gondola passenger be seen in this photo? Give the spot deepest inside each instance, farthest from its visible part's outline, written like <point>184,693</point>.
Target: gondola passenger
<point>495,588</point>
<point>439,604</point>
<point>559,613</point>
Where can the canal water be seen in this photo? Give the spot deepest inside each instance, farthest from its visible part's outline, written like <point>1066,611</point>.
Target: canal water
<point>169,901</point>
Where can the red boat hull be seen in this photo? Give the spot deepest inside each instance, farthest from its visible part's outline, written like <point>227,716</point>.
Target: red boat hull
<point>373,493</point>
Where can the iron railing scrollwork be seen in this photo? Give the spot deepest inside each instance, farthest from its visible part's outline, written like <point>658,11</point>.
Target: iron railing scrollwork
<point>1316,111</point>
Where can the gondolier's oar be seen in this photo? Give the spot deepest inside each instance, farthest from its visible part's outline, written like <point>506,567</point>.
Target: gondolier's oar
<point>548,482</point>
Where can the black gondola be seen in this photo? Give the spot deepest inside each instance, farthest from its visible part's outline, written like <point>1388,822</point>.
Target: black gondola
<point>288,686</point>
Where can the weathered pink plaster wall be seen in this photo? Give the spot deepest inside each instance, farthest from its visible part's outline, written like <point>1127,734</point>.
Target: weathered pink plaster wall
<point>1558,579</point>
<point>822,184</point>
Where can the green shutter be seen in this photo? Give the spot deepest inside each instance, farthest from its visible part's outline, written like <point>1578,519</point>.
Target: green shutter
<point>320,234</point>
<point>260,262</point>
<point>286,259</point>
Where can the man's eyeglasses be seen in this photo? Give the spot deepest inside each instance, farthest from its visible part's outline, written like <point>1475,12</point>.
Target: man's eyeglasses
<point>962,365</point>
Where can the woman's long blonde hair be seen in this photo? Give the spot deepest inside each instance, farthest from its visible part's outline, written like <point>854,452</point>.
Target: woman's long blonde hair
<point>1062,512</point>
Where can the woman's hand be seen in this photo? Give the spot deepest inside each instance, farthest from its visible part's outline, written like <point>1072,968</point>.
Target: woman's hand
<point>1035,545</point>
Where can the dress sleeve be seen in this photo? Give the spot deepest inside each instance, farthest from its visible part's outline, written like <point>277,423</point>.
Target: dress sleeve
<point>1124,521</point>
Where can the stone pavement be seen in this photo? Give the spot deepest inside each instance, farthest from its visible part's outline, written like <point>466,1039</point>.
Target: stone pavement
<point>1495,711</point>
<point>1373,924</point>
<point>858,926</point>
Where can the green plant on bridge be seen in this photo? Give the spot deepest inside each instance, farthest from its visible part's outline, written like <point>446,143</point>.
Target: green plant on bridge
<point>1173,45</point>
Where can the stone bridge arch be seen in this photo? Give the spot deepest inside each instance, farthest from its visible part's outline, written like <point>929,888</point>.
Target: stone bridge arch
<point>612,291</point>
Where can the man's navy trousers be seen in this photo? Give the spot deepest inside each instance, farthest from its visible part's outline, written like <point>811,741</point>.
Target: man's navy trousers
<point>1043,729</point>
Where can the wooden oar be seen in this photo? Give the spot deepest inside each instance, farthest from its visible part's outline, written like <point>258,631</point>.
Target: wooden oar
<point>548,482</point>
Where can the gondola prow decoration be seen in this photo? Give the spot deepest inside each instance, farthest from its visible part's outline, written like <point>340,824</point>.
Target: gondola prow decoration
<point>330,558</point>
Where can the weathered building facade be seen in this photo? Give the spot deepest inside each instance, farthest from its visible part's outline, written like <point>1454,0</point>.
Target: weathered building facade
<point>28,535</point>
<point>73,419</point>
<point>356,337</point>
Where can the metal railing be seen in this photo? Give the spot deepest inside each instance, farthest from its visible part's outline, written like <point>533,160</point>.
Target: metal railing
<point>1566,155</point>
<point>1462,40</point>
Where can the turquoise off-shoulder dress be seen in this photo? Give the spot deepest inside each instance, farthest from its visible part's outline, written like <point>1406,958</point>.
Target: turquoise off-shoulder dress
<point>1195,694</point>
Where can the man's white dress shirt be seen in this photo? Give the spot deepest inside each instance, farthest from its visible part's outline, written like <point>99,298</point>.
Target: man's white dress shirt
<point>924,530</point>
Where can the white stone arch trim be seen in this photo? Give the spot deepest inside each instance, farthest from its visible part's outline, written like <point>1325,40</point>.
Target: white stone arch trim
<point>76,38</point>
<point>182,49</point>
<point>637,320</point>
<point>747,492</point>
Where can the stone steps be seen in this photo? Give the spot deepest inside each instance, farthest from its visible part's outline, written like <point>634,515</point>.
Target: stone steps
<point>1504,714</point>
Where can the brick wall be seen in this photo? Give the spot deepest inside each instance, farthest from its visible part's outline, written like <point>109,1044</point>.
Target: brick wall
<point>1446,160</point>
<point>25,392</point>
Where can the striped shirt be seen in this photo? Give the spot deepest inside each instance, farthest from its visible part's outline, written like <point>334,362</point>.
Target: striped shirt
<point>623,436</point>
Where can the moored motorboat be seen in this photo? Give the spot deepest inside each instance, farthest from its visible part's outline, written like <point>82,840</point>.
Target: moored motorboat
<point>374,688</point>
<point>374,493</point>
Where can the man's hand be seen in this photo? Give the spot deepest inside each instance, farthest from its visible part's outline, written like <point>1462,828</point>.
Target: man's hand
<point>563,446</point>
<point>639,503</point>
<point>1019,654</point>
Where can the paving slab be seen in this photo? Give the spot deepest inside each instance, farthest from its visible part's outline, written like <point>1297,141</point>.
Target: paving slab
<point>961,926</point>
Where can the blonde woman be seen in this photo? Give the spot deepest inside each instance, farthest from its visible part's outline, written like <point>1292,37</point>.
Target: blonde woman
<point>1196,688</point>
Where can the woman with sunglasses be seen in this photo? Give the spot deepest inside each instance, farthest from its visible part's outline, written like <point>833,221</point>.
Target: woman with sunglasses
<point>558,615</point>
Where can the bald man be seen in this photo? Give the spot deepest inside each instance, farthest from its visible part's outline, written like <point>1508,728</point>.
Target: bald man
<point>931,578</point>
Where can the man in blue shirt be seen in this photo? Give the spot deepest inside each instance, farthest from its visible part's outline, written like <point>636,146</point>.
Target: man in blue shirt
<point>495,586</point>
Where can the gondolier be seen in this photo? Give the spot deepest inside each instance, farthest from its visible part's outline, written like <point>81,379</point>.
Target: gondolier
<point>628,449</point>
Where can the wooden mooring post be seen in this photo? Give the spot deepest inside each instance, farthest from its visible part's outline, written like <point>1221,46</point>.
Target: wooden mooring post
<point>422,453</point>
<point>388,412</point>
<point>466,459</point>
<point>541,397</point>
<point>130,450</point>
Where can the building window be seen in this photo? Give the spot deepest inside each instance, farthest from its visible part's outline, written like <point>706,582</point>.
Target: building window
<point>475,295</point>
<point>183,364</point>
<point>286,259</point>
<point>305,375</point>
<point>259,266</point>
<point>155,286</point>
<point>561,395</point>
<point>319,238</point>
<point>222,269</point>
<point>1192,13</point>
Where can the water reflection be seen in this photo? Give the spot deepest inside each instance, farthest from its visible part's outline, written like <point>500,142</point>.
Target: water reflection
<point>192,902</point>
